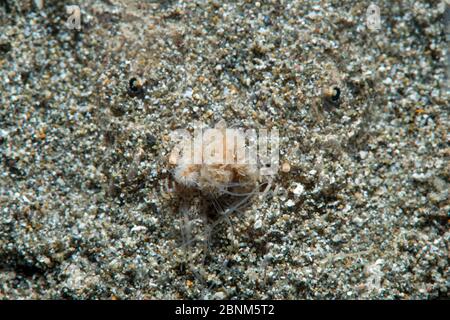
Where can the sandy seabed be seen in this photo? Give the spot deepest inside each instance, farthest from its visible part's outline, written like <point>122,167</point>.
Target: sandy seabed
<point>85,122</point>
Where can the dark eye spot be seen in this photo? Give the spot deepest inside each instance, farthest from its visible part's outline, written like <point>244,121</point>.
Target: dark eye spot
<point>133,84</point>
<point>336,94</point>
<point>135,87</point>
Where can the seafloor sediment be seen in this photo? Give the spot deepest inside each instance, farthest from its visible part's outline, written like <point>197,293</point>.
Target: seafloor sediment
<point>84,206</point>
